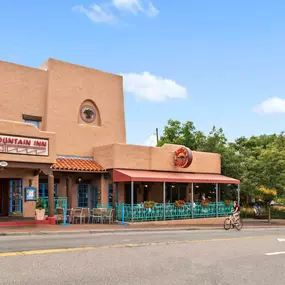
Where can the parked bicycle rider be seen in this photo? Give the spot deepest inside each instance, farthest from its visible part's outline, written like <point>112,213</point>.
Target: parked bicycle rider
<point>236,212</point>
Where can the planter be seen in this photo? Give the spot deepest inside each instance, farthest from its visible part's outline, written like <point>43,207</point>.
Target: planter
<point>40,214</point>
<point>179,204</point>
<point>149,204</point>
<point>228,202</point>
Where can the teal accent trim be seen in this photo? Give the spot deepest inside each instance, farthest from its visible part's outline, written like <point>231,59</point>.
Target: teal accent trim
<point>58,202</point>
<point>16,196</point>
<point>142,214</point>
<point>82,195</point>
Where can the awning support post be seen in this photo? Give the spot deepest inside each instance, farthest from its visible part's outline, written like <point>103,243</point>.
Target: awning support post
<point>164,210</point>
<point>132,199</point>
<point>217,200</point>
<point>192,200</point>
<point>238,190</point>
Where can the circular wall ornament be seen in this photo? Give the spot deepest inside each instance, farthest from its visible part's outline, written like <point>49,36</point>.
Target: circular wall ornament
<point>87,114</point>
<point>183,157</point>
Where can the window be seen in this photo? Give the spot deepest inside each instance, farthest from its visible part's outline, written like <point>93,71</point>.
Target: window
<point>36,123</point>
<point>43,190</point>
<point>82,199</point>
<point>16,199</point>
<point>110,195</point>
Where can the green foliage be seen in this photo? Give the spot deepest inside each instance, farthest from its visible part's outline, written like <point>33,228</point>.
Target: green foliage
<point>40,204</point>
<point>256,161</point>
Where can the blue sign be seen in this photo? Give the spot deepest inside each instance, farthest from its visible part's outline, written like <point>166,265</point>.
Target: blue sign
<point>31,193</point>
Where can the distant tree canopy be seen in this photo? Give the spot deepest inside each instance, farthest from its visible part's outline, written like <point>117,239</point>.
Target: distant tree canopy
<point>256,161</point>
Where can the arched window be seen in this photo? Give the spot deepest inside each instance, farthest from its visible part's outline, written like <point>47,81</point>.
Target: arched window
<point>89,113</point>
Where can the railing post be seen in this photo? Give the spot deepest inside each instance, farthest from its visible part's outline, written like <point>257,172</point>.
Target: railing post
<point>132,199</point>
<point>238,190</point>
<point>217,198</point>
<point>192,200</point>
<point>123,214</point>
<point>64,214</point>
<point>164,210</point>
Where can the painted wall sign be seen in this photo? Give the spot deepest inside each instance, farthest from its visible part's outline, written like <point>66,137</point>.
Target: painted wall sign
<point>183,157</point>
<point>23,145</point>
<point>31,194</point>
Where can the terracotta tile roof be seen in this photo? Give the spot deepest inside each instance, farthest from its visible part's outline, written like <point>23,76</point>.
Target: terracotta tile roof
<point>77,165</point>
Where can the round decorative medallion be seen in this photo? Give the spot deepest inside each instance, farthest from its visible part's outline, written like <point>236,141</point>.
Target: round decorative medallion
<point>87,114</point>
<point>183,157</point>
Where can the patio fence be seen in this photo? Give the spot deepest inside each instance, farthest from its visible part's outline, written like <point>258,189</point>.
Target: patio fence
<point>58,202</point>
<point>156,213</point>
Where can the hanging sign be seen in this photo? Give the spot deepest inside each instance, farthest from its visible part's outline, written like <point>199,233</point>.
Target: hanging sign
<point>31,194</point>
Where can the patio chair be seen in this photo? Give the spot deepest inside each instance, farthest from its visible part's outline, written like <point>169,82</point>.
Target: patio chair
<point>97,215</point>
<point>108,215</point>
<point>77,215</point>
<point>86,214</point>
<point>59,214</point>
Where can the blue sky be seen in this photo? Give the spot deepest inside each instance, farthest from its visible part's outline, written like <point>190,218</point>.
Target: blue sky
<point>213,62</point>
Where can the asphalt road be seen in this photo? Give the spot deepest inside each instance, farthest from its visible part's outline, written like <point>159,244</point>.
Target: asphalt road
<point>180,257</point>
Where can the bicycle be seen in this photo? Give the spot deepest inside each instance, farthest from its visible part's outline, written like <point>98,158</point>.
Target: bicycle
<point>229,224</point>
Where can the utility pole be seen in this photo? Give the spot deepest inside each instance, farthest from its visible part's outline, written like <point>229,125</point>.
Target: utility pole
<point>156,136</point>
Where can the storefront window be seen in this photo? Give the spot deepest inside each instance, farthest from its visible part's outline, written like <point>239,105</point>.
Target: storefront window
<point>175,192</point>
<point>83,195</point>
<point>110,195</point>
<point>16,199</point>
<point>43,190</point>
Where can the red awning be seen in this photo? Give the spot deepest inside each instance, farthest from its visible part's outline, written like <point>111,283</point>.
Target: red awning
<point>159,176</point>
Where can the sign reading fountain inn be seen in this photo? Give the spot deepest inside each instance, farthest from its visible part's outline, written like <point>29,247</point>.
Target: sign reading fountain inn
<point>23,145</point>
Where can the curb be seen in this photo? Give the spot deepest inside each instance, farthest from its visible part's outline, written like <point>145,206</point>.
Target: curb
<point>113,231</point>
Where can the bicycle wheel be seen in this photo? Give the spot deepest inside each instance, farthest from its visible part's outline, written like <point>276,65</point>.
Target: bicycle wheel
<point>239,224</point>
<point>227,224</point>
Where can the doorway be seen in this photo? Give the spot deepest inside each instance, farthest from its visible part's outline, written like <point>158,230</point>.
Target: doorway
<point>4,197</point>
<point>11,200</point>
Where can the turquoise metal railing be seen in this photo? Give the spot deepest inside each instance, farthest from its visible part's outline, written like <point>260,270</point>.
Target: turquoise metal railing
<point>58,202</point>
<point>156,213</point>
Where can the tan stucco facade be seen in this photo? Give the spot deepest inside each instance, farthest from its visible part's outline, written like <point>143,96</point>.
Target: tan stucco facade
<point>55,95</point>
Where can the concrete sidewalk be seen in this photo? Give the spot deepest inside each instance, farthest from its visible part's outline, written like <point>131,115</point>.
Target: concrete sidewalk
<point>199,224</point>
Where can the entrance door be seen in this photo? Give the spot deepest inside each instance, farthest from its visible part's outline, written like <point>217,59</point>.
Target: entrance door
<point>4,197</point>
<point>94,197</point>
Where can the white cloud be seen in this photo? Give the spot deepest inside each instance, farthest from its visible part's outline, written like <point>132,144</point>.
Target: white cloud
<point>97,14</point>
<point>133,6</point>
<point>271,106</point>
<point>152,11</point>
<point>149,87</point>
<point>136,6</point>
<point>105,13</point>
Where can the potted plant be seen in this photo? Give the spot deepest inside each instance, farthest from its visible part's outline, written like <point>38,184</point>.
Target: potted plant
<point>205,203</point>
<point>179,203</point>
<point>40,210</point>
<point>228,202</point>
<point>149,204</point>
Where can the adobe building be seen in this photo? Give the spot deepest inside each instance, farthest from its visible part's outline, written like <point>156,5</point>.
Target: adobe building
<point>62,133</point>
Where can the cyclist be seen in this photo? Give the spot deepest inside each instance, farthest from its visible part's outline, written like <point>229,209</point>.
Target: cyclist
<point>235,212</point>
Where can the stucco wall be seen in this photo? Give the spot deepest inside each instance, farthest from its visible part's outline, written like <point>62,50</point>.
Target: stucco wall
<point>153,158</point>
<point>23,91</point>
<point>69,86</point>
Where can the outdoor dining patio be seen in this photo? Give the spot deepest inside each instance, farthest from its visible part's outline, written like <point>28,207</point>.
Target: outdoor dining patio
<point>85,215</point>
